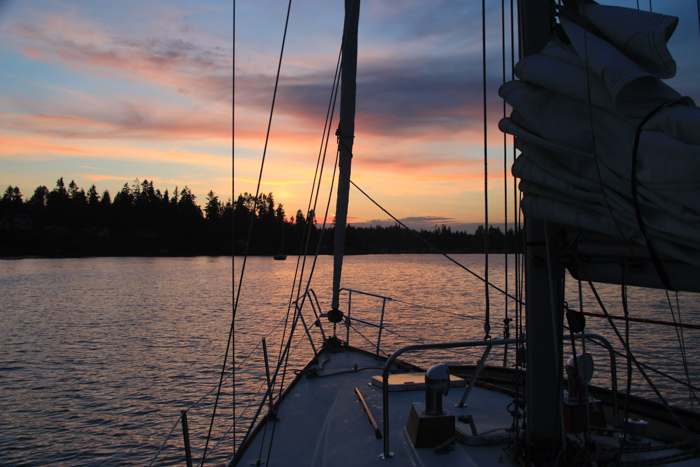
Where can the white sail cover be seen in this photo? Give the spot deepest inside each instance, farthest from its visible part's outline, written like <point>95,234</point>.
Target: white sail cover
<point>576,112</point>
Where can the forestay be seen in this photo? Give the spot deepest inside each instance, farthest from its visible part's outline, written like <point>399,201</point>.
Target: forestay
<point>580,105</point>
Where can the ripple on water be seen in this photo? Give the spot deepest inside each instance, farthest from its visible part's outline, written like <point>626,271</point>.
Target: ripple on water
<point>100,355</point>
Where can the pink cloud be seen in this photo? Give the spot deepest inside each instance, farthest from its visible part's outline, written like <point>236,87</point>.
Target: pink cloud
<point>204,72</point>
<point>136,121</point>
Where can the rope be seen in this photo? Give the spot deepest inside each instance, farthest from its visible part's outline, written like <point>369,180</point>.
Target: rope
<point>506,320</point>
<point>365,338</point>
<point>436,248</point>
<point>698,8</point>
<point>215,445</point>
<point>487,324</point>
<point>645,320</point>
<point>322,157</point>
<point>166,440</point>
<point>434,309</point>
<point>257,189</point>
<point>233,229</point>
<point>218,393</point>
<point>656,261</point>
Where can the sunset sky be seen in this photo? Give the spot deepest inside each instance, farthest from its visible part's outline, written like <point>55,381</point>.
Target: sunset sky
<point>106,92</point>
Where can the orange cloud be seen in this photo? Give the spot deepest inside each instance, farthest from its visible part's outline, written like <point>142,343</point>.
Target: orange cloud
<point>23,145</point>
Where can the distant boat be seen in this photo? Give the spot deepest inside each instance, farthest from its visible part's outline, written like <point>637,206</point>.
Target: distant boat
<point>280,257</point>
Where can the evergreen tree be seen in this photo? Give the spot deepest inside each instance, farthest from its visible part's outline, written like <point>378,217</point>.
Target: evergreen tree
<point>213,208</point>
<point>37,202</point>
<point>92,197</point>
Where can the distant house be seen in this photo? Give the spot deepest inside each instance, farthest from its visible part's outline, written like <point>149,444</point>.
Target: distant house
<point>17,222</point>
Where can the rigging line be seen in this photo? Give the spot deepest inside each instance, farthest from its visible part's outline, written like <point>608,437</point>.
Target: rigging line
<point>324,148</point>
<point>286,362</point>
<point>218,392</point>
<point>506,320</point>
<point>252,399</point>
<point>515,186</point>
<point>326,134</point>
<point>580,304</point>
<point>681,340</point>
<point>313,200</point>
<point>698,8</point>
<point>187,410</point>
<point>433,246</point>
<point>285,357</point>
<point>408,339</point>
<point>655,260</point>
<point>258,344</point>
<point>205,395</point>
<point>487,324</point>
<point>637,364</point>
<point>645,320</point>
<point>233,242</point>
<point>269,393</point>
<point>434,309</point>
<point>648,367</point>
<point>223,437</point>
<point>257,193</point>
<point>365,338</point>
<point>262,162</point>
<point>166,440</point>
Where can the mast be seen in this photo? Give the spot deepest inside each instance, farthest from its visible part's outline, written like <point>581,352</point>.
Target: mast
<point>346,135</point>
<point>543,279</point>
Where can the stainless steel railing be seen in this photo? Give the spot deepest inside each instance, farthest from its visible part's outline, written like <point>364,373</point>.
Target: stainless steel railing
<point>385,375</point>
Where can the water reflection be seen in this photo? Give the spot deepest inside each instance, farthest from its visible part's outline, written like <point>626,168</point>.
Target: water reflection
<point>100,355</point>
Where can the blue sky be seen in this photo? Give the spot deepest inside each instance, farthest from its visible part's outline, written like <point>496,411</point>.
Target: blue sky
<point>106,92</point>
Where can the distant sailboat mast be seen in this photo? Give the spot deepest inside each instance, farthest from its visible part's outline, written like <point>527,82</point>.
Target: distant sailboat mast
<point>346,135</point>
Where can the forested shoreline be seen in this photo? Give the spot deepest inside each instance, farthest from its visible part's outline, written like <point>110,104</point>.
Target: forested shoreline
<point>140,220</point>
<point>274,233</point>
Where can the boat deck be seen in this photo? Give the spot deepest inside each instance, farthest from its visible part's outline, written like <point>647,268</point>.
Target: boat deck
<point>322,422</point>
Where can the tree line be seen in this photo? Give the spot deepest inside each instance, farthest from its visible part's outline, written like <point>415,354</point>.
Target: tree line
<point>139,220</point>
<point>273,233</point>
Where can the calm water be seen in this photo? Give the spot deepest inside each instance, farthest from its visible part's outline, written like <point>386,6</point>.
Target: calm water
<point>99,356</point>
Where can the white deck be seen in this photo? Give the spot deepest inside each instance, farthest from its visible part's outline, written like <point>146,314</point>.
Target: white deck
<point>322,422</point>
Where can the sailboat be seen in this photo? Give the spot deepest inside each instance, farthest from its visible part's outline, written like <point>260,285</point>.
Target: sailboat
<point>592,206</point>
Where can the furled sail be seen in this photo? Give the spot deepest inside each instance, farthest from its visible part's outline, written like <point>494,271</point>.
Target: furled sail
<point>606,146</point>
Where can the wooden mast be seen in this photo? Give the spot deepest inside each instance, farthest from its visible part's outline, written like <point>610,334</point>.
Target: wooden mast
<point>346,135</point>
<point>543,279</point>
